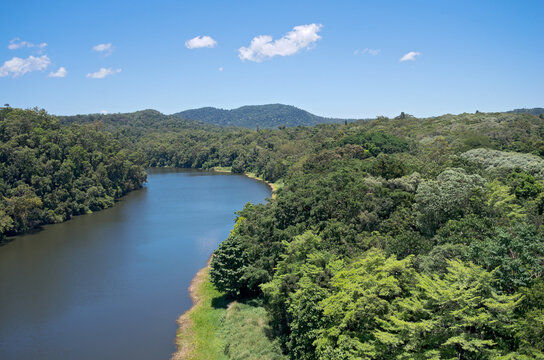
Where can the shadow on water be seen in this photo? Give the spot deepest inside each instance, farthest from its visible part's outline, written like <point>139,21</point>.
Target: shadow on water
<point>13,237</point>
<point>38,229</point>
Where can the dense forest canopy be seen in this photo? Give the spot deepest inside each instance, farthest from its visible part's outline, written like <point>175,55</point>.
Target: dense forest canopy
<point>398,238</point>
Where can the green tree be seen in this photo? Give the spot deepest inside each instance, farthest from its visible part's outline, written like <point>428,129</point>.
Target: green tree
<point>362,294</point>
<point>24,207</point>
<point>456,316</point>
<point>228,264</point>
<point>452,195</point>
<point>516,254</point>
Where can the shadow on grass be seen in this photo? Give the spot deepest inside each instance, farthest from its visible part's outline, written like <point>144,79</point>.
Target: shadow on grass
<point>221,302</point>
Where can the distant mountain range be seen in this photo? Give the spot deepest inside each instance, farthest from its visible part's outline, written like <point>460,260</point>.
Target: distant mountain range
<point>533,111</point>
<point>253,116</point>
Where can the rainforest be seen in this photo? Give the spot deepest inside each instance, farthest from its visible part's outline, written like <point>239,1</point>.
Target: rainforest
<point>405,237</point>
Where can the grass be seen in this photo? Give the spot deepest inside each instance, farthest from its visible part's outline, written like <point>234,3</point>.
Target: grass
<point>198,335</point>
<point>247,334</point>
<point>216,328</point>
<point>223,169</point>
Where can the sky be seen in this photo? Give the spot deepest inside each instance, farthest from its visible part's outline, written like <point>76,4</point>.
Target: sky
<point>347,59</point>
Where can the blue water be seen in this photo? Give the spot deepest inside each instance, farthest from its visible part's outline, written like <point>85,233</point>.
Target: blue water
<point>110,285</point>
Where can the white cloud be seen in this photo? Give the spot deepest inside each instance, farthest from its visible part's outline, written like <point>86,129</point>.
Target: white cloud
<point>104,48</point>
<point>102,73</point>
<point>411,56</point>
<point>262,46</point>
<point>17,44</point>
<point>200,42</point>
<point>104,112</point>
<point>372,52</point>
<point>17,66</point>
<point>60,73</point>
<point>220,69</point>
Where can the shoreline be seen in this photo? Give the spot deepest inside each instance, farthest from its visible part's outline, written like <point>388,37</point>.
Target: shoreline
<point>184,321</point>
<point>272,186</point>
<point>185,332</point>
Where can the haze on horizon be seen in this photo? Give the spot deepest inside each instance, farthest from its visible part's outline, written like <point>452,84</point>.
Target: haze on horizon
<point>354,59</point>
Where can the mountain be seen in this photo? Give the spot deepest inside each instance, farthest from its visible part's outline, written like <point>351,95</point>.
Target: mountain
<point>253,116</point>
<point>533,111</point>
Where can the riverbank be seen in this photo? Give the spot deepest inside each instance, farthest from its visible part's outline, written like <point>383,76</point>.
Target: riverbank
<point>197,336</point>
<point>273,186</point>
<point>218,328</point>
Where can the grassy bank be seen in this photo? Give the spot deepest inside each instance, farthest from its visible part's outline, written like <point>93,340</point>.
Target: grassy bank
<point>216,328</point>
<point>198,336</point>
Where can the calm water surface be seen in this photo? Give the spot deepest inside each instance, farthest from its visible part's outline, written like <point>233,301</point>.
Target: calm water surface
<point>110,285</point>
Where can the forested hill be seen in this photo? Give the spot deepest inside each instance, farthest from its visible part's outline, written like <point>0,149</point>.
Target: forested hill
<point>257,116</point>
<point>135,122</point>
<point>532,111</point>
<point>147,118</point>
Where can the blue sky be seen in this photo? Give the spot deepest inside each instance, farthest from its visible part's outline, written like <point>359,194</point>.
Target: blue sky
<point>332,58</point>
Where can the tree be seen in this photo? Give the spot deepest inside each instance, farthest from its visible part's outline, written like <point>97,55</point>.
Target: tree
<point>24,207</point>
<point>516,254</point>
<point>502,203</point>
<point>6,223</point>
<point>524,185</point>
<point>452,195</point>
<point>228,264</point>
<point>300,281</point>
<point>530,327</point>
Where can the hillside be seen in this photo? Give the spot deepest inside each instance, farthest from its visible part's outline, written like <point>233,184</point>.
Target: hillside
<point>253,116</point>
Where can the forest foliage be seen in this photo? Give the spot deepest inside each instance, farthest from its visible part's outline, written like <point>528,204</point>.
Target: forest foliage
<point>49,172</point>
<point>397,239</point>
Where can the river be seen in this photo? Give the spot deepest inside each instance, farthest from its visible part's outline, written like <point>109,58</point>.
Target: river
<point>110,285</point>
